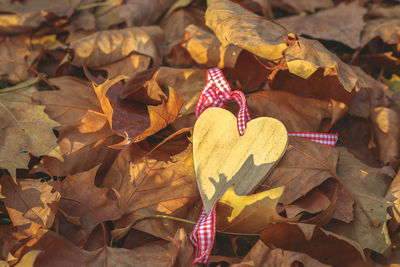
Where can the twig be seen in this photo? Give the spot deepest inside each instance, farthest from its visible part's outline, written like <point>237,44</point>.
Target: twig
<point>31,69</point>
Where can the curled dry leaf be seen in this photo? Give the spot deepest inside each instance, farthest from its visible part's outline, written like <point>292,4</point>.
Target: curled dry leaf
<point>343,23</point>
<point>58,251</point>
<point>368,187</point>
<point>235,25</point>
<point>384,11</point>
<point>91,204</point>
<point>322,245</point>
<point>295,112</point>
<point>83,128</point>
<point>106,47</point>
<point>30,204</point>
<point>206,50</point>
<point>131,111</point>
<point>304,5</point>
<point>307,56</point>
<point>248,214</point>
<point>147,187</point>
<point>261,255</point>
<point>18,49</point>
<point>387,133</point>
<point>386,29</point>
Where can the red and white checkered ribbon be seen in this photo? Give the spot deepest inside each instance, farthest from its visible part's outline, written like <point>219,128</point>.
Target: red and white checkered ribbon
<point>215,93</point>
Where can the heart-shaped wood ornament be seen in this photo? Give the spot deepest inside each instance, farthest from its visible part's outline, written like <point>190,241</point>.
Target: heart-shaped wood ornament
<point>223,158</point>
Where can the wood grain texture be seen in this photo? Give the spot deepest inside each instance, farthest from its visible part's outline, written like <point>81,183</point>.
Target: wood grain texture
<point>223,158</point>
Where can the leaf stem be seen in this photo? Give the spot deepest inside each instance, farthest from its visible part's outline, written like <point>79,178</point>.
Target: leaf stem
<point>100,4</point>
<point>30,68</point>
<point>20,86</point>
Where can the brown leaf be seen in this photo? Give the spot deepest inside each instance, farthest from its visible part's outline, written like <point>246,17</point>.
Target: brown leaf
<point>307,58</point>
<point>17,49</point>
<point>304,5</point>
<point>93,205</point>
<point>30,204</point>
<point>375,62</point>
<point>235,25</point>
<point>387,133</point>
<point>206,50</point>
<point>128,66</point>
<point>368,187</point>
<point>26,128</point>
<point>393,196</point>
<point>370,94</point>
<point>305,165</point>
<point>388,30</point>
<point>83,129</point>
<point>58,251</point>
<point>322,245</point>
<point>138,13</point>
<point>356,134</point>
<point>315,202</point>
<point>22,17</point>
<point>342,23</point>
<point>384,11</point>
<point>105,47</point>
<point>262,256</point>
<point>147,186</point>
<point>174,27</point>
<point>295,112</point>
<point>132,117</point>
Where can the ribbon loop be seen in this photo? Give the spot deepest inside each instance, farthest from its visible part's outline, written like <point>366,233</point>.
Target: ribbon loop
<point>216,92</point>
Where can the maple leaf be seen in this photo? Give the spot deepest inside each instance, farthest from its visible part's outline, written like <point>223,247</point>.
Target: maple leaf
<point>26,129</point>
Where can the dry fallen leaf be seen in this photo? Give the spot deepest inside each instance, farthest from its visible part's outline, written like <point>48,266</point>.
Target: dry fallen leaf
<point>26,129</point>
<point>58,251</point>
<point>147,186</point>
<point>368,188</point>
<point>22,17</point>
<point>322,245</point>
<point>304,5</point>
<point>388,30</point>
<point>387,133</point>
<point>295,112</point>
<point>129,111</point>
<point>343,23</point>
<point>106,47</point>
<point>235,25</point>
<point>14,50</point>
<point>30,204</point>
<point>83,129</point>
<point>206,50</point>
<point>91,204</point>
<point>261,255</point>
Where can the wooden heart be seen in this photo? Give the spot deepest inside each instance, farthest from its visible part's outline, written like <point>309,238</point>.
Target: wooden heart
<point>223,158</point>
